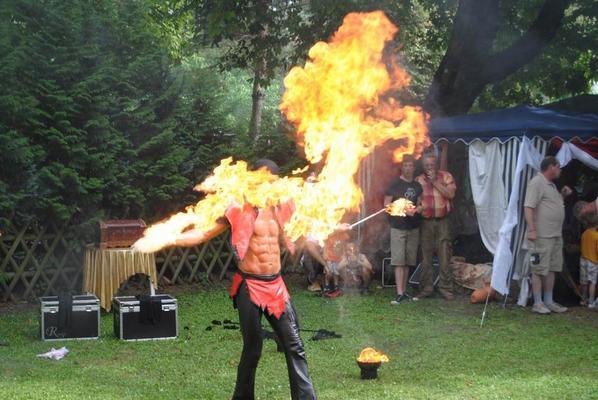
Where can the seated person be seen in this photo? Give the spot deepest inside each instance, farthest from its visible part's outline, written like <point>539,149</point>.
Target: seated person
<point>355,269</point>
<point>313,263</point>
<point>329,256</point>
<point>334,248</point>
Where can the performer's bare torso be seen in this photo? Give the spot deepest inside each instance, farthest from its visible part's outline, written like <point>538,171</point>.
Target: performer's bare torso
<point>263,255</point>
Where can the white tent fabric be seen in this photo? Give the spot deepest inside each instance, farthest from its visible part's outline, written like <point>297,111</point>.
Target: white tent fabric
<point>504,255</point>
<point>569,151</point>
<point>520,264</point>
<point>488,189</point>
<point>524,133</point>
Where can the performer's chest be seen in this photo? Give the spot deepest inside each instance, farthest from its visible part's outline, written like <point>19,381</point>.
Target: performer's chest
<point>266,224</point>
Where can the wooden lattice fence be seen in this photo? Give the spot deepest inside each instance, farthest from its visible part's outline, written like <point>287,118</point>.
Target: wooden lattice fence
<point>43,259</point>
<point>206,262</point>
<point>38,259</point>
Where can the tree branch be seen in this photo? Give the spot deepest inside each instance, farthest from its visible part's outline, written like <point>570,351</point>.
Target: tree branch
<point>524,50</point>
<point>474,30</point>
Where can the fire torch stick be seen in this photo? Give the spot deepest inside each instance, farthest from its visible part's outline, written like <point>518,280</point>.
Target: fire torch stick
<point>366,218</point>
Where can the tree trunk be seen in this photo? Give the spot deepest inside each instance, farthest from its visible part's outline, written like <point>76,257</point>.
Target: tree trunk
<point>469,64</point>
<point>257,104</point>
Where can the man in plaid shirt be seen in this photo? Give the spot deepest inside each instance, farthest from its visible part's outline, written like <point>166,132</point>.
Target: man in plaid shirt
<point>438,190</point>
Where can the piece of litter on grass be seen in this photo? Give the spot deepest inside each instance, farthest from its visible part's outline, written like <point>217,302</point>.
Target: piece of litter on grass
<point>55,354</point>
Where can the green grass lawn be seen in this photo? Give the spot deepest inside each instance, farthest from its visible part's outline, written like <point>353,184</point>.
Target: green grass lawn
<point>437,350</point>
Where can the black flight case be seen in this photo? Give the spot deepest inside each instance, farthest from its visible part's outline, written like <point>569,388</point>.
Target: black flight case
<point>69,317</point>
<point>145,317</point>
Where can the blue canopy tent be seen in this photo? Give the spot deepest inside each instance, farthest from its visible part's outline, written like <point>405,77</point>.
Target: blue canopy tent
<point>509,123</point>
<point>505,148</point>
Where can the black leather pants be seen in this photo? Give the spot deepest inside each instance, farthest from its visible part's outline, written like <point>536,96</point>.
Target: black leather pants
<point>287,330</point>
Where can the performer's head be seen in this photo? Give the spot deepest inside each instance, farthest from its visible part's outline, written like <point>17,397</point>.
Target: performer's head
<point>551,168</point>
<point>352,250</point>
<point>408,166</point>
<point>429,162</point>
<point>267,164</point>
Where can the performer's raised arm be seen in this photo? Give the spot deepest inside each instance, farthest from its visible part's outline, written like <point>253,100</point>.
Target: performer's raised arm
<point>194,237</point>
<point>157,240</point>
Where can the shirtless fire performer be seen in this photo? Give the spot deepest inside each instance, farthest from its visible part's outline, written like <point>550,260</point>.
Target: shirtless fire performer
<point>258,289</point>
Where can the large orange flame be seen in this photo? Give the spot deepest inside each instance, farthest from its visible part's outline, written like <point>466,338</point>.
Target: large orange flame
<point>335,102</point>
<point>371,355</point>
<point>341,105</point>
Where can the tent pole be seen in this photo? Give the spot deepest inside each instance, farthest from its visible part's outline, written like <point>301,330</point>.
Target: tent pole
<point>444,155</point>
<point>484,312</point>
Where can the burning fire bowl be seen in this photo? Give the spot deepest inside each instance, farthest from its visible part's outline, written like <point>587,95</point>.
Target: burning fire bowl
<point>369,370</point>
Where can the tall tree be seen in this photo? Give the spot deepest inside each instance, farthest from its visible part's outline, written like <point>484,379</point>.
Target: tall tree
<point>256,35</point>
<point>86,94</point>
<point>480,53</point>
<point>471,61</point>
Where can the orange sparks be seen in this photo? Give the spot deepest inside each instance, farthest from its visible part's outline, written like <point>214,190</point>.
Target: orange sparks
<point>341,105</point>
<point>371,355</point>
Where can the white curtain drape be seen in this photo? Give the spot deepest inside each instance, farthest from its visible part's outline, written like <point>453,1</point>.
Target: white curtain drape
<point>488,189</point>
<point>569,151</point>
<point>503,257</point>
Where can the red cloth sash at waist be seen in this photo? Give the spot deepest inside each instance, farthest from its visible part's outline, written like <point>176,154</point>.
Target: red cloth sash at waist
<point>242,220</point>
<point>270,295</point>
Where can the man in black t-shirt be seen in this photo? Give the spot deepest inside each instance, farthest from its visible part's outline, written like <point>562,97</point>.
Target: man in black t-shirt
<point>404,231</point>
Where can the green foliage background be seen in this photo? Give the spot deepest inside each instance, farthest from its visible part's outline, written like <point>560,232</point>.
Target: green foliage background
<point>117,108</point>
<point>101,115</point>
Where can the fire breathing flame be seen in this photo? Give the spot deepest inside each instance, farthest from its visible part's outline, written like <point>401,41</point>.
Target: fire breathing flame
<point>230,183</point>
<point>399,207</point>
<point>371,355</point>
<point>342,107</point>
<point>336,103</point>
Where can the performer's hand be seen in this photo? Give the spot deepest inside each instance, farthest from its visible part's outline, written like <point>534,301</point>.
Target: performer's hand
<point>410,211</point>
<point>431,175</point>
<point>532,235</point>
<point>343,227</point>
<point>566,191</point>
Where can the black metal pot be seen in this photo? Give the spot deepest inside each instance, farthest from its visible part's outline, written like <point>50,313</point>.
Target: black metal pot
<point>369,370</point>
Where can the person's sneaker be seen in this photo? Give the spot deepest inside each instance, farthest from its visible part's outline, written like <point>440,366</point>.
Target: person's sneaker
<point>592,305</point>
<point>314,287</point>
<point>540,308</point>
<point>555,307</point>
<point>401,298</point>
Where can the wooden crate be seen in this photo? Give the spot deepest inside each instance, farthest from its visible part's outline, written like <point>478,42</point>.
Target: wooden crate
<point>120,232</point>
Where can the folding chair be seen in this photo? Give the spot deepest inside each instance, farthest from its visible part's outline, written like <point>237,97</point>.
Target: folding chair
<point>415,278</point>
<point>388,275</point>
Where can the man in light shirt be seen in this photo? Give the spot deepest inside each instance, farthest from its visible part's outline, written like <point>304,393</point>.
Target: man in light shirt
<point>544,214</point>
